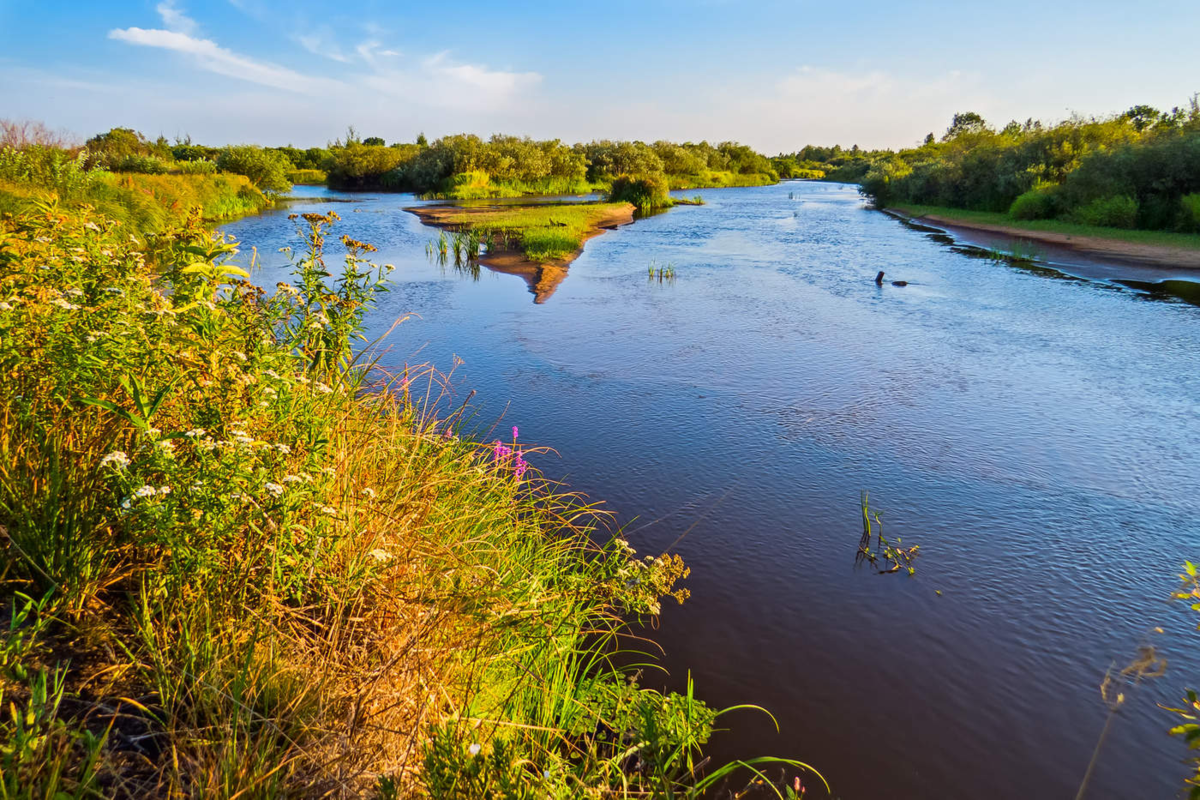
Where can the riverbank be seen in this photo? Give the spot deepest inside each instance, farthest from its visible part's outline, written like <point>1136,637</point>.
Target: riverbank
<point>1132,247</point>
<point>535,242</point>
<point>239,563</point>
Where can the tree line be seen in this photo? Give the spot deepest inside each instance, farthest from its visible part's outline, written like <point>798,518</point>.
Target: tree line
<point>440,166</point>
<point>1136,169</point>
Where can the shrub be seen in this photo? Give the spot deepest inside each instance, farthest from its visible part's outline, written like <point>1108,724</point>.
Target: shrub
<point>647,192</point>
<point>1109,212</point>
<point>1191,211</point>
<point>360,166</point>
<point>134,162</point>
<point>266,168</point>
<point>1037,203</point>
<point>195,168</point>
<point>307,177</point>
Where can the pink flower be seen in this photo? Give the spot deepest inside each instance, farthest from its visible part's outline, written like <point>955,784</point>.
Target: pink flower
<point>514,433</point>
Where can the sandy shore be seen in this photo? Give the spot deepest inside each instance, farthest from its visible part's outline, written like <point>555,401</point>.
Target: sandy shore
<point>543,277</point>
<point>1131,253</point>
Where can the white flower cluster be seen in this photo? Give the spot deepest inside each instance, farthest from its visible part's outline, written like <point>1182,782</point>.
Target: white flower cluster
<point>117,457</point>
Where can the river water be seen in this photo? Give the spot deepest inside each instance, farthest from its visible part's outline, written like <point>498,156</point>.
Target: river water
<point>1036,434</point>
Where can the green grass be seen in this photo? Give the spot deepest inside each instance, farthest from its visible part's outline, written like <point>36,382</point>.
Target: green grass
<point>714,179</point>
<point>1189,241</point>
<point>543,232</point>
<point>231,537</point>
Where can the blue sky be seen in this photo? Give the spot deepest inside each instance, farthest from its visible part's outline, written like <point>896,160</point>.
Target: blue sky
<point>775,75</point>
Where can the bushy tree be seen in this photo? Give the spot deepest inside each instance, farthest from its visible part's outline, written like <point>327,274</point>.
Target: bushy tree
<point>267,169</point>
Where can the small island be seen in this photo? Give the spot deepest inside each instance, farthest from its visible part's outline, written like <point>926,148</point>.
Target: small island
<point>535,241</point>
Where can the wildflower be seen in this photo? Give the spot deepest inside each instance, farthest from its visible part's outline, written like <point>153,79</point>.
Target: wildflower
<point>368,492</point>
<point>195,432</point>
<point>292,479</point>
<point>115,457</point>
<point>499,451</point>
<point>126,504</point>
<point>61,303</point>
<point>519,466</point>
<point>5,306</point>
<point>75,292</point>
<point>329,511</point>
<point>207,444</point>
<point>474,749</point>
<point>153,432</point>
<point>91,337</point>
<point>145,491</point>
<point>328,471</point>
<point>323,389</point>
<point>164,490</point>
<point>273,488</point>
<point>239,355</point>
<point>514,433</point>
<point>380,555</point>
<point>269,392</point>
<point>271,374</point>
<point>91,226</point>
<point>283,448</point>
<point>167,446</point>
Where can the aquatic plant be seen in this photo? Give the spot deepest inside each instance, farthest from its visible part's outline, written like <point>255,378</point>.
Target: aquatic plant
<point>663,274</point>
<point>884,556</point>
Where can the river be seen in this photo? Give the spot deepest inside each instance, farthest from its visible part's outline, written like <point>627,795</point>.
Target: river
<point>1036,434</point>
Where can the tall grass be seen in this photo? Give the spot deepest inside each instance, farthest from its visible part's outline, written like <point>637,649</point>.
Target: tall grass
<point>266,568</point>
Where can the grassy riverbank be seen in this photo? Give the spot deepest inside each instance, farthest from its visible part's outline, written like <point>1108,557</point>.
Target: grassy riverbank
<point>1164,247</point>
<point>240,562</point>
<point>142,203</point>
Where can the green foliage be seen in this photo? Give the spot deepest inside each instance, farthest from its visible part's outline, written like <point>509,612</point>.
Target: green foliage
<point>1037,203</point>
<point>646,192</point>
<point>1190,204</point>
<point>300,574</point>
<point>114,147</point>
<point>1129,170</point>
<point>1109,212</point>
<point>146,164</point>
<point>199,167</point>
<point>267,169</point>
<point>360,166</point>
<point>307,177</point>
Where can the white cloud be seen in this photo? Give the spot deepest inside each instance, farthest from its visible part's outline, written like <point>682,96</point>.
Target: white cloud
<point>174,18</point>
<point>217,59</point>
<point>317,45</point>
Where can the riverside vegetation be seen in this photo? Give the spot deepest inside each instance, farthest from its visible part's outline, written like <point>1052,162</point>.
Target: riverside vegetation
<point>459,167</point>
<point>241,560</point>
<point>1136,171</point>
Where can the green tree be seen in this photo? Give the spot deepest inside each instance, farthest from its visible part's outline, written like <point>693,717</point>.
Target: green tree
<point>266,168</point>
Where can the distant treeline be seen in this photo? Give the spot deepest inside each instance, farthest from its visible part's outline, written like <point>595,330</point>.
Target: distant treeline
<point>460,166</point>
<point>1137,169</point>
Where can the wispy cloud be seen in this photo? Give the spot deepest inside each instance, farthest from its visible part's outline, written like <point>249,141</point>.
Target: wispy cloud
<point>179,37</point>
<point>319,45</point>
<point>214,58</point>
<point>174,18</point>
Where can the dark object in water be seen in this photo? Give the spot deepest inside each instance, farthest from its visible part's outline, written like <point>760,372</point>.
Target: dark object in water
<point>879,278</point>
<point>899,283</point>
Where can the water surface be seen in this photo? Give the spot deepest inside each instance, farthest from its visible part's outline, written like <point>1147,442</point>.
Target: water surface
<point>1036,433</point>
